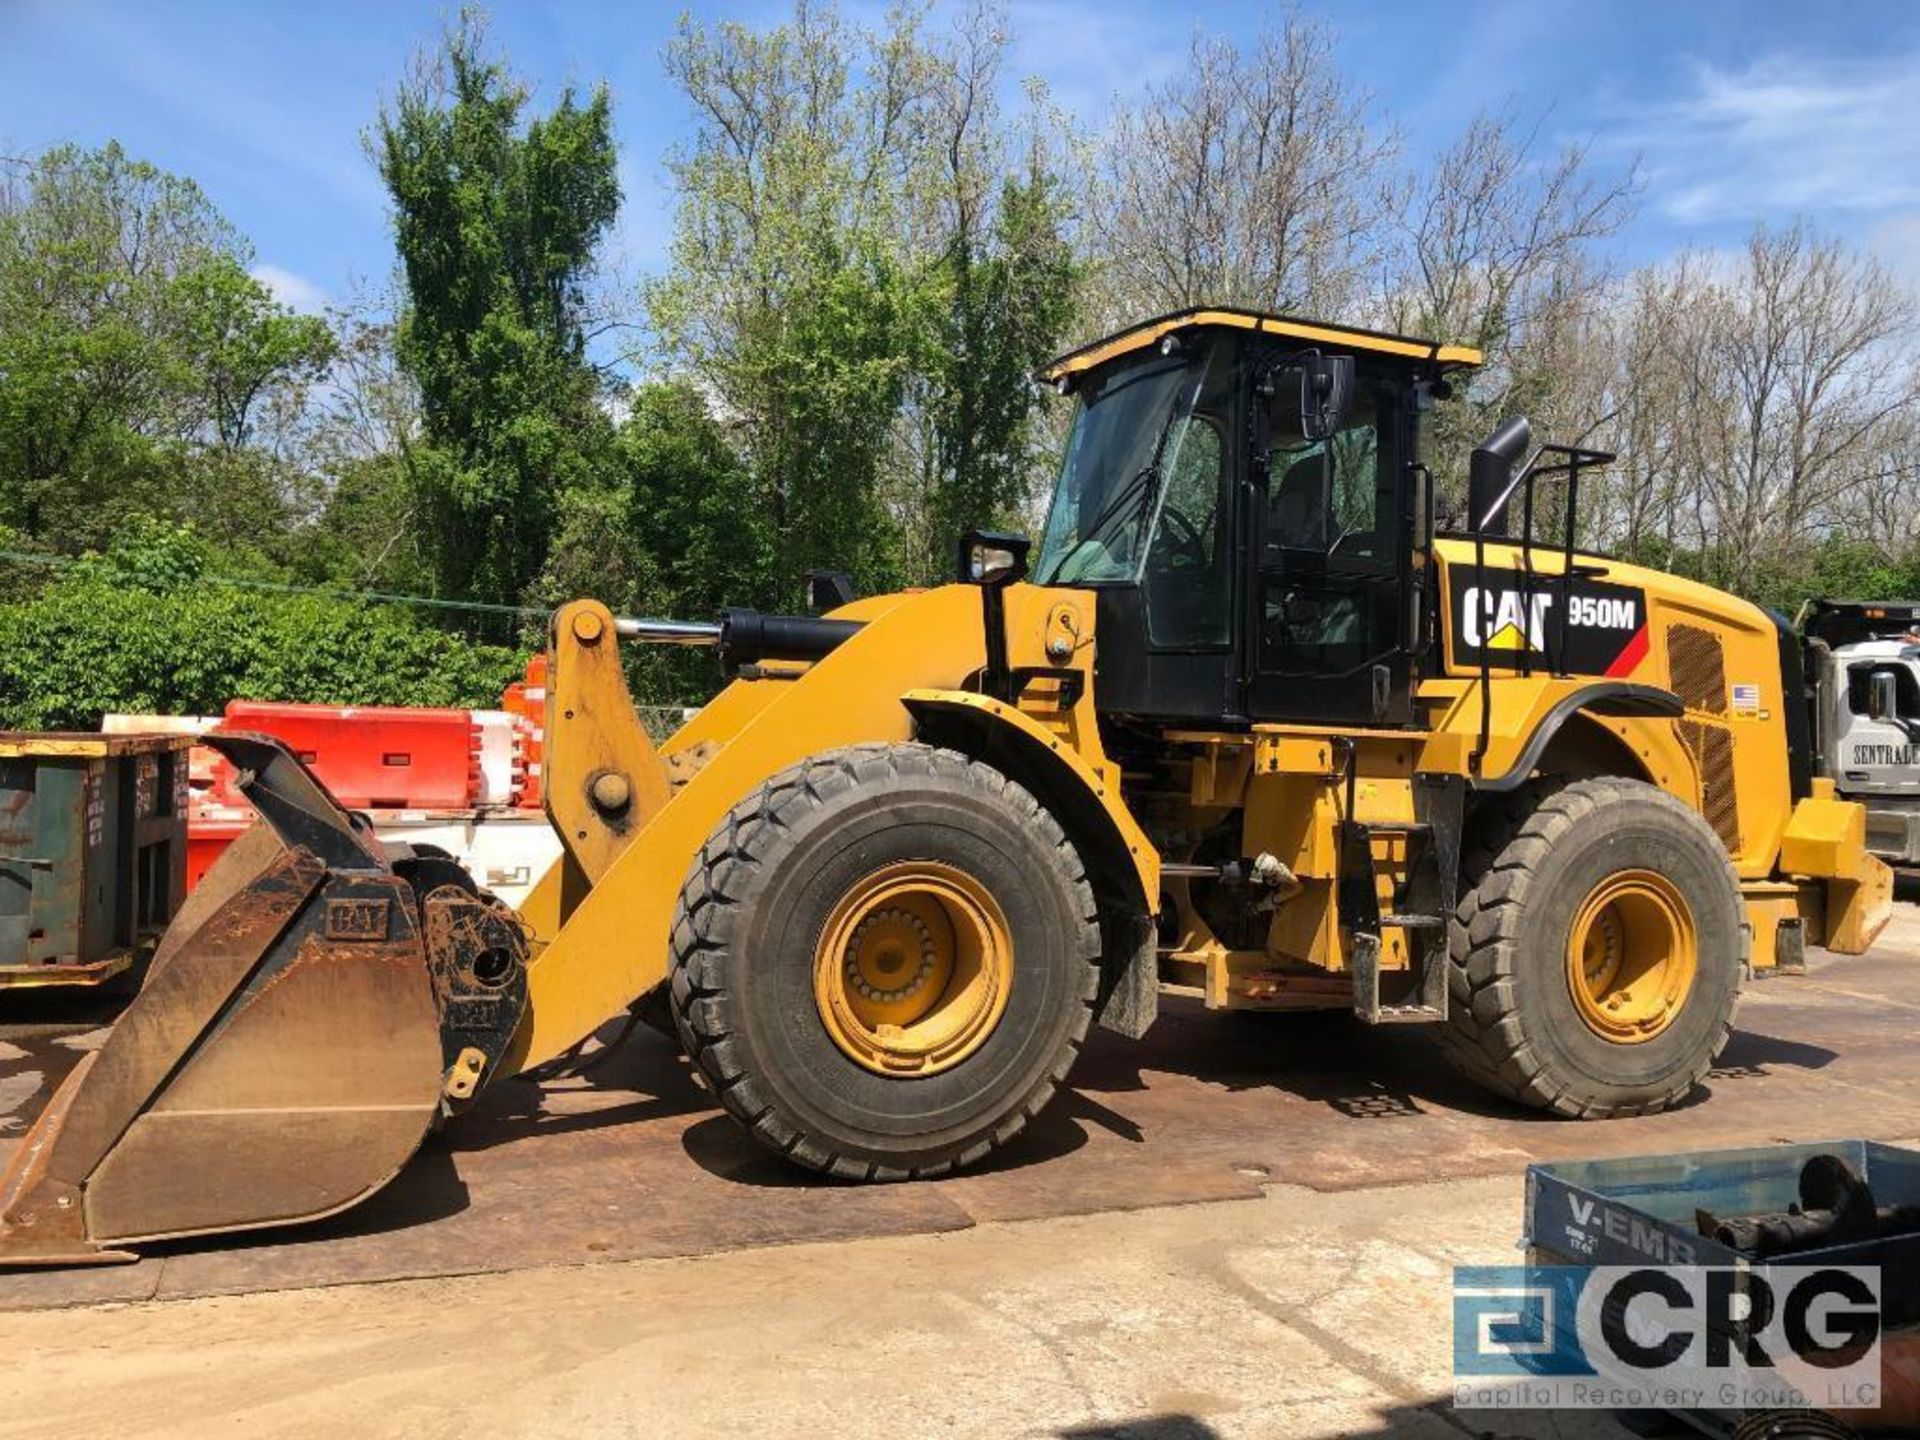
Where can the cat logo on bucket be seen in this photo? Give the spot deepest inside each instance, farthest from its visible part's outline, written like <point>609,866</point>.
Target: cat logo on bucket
<point>1507,618</point>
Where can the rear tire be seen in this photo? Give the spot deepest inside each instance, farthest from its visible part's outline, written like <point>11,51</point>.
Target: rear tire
<point>775,909</point>
<point>1598,957</point>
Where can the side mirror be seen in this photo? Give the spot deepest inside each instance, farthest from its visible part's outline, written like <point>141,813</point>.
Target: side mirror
<point>1326,394</point>
<point>1883,696</point>
<point>992,557</point>
<point>1490,475</point>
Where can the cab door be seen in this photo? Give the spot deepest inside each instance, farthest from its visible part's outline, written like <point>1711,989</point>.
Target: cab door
<point>1330,608</point>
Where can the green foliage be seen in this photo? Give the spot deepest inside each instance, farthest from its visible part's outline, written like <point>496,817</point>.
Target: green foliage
<point>366,533</point>
<point>858,285</point>
<point>1009,303</point>
<point>790,293</point>
<point>1837,568</point>
<point>238,342</point>
<point>496,222</point>
<point>149,554</point>
<point>679,530</point>
<point>692,504</point>
<point>133,342</point>
<point>93,643</point>
<point>833,373</point>
<point>693,508</point>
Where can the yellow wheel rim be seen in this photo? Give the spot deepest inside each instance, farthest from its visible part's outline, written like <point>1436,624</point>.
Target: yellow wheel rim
<point>1632,956</point>
<point>913,968</point>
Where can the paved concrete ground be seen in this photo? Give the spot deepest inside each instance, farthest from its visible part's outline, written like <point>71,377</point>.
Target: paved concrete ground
<point>1301,1289</point>
<point>1295,1314</point>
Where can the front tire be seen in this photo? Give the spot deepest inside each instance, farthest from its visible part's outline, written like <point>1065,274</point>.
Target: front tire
<point>1598,958</point>
<point>885,960</point>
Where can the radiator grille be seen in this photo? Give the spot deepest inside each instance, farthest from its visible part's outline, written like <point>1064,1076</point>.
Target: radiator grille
<point>1712,749</point>
<point>1698,669</point>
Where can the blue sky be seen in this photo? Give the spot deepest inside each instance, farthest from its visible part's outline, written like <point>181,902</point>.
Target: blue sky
<point>1736,110</point>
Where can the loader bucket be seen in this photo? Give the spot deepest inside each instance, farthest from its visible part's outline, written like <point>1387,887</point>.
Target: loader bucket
<point>311,1010</point>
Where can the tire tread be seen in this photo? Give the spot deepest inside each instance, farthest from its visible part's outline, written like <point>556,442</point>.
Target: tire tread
<point>1484,1035</point>
<point>713,905</point>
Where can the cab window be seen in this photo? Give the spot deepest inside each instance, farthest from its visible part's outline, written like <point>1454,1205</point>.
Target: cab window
<point>1186,579</point>
<point>1860,682</point>
<point>1324,495</point>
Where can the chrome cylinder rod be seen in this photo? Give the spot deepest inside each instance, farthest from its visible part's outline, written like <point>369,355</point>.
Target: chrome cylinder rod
<point>668,632</point>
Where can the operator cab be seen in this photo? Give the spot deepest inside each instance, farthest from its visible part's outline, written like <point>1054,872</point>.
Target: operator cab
<point>1245,494</point>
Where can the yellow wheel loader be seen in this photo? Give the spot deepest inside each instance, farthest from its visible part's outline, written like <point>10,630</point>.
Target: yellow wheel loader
<point>1246,728</point>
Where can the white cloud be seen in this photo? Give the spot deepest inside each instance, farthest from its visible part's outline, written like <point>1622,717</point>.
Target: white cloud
<point>1784,136</point>
<point>1895,242</point>
<point>294,291</point>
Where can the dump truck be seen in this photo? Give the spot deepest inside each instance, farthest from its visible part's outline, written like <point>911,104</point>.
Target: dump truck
<point>1864,679</point>
<point>1245,728</point>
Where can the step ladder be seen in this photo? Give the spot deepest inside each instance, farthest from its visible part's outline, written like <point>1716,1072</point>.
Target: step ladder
<point>1423,904</point>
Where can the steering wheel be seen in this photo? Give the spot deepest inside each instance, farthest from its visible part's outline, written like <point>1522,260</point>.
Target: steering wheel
<point>1189,543</point>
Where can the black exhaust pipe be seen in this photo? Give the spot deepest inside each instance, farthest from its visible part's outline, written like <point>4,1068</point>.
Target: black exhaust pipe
<point>1490,475</point>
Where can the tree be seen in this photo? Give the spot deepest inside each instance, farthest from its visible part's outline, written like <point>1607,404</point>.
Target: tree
<point>361,440</point>
<point>679,530</point>
<point>241,344</point>
<point>1247,179</point>
<point>133,345</point>
<point>788,294</point>
<point>1495,249</point>
<point>496,219</point>
<point>860,284</point>
<point>1007,287</point>
<point>1780,393</point>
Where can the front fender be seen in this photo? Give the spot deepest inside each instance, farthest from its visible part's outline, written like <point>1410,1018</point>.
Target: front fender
<point>1082,793</point>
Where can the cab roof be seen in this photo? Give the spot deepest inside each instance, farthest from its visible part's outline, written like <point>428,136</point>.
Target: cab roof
<point>1346,337</point>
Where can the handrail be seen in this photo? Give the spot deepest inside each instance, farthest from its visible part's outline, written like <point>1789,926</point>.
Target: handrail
<point>1574,459</point>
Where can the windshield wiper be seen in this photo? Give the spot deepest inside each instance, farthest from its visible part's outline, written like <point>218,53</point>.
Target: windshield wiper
<point>1146,482</point>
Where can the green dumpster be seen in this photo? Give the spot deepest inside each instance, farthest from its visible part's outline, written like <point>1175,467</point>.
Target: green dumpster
<point>93,852</point>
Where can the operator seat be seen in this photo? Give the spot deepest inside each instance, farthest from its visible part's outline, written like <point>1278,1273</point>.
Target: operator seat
<point>1297,514</point>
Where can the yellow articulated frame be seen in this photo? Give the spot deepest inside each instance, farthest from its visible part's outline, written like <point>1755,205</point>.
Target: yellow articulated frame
<point>612,945</point>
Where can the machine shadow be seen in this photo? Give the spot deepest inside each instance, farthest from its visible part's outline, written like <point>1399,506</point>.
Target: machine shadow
<point>647,1066</point>
<point>428,1188</point>
<point>724,1150</point>
<point>1436,1418</point>
<point>1333,1060</point>
<point>1148,1427</point>
<point>1749,1051</point>
<point>1325,1058</point>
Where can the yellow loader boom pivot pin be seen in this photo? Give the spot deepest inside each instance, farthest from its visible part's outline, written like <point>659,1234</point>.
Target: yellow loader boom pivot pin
<point>1246,726</point>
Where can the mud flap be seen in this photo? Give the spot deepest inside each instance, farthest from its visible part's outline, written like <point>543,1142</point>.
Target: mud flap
<point>302,1022</point>
<point>1128,1000</point>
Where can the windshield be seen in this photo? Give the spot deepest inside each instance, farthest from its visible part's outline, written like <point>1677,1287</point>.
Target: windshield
<point>1127,436</point>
